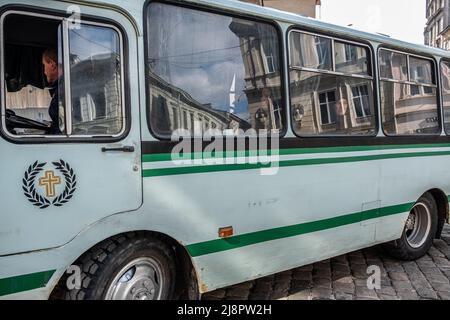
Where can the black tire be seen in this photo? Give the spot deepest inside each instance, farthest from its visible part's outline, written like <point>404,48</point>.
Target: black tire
<point>401,248</point>
<point>102,264</point>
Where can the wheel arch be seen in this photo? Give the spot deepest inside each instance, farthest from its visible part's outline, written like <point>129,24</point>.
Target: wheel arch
<point>186,282</point>
<point>443,209</point>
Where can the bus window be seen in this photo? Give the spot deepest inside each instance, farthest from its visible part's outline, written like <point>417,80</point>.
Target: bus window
<point>408,99</point>
<point>95,59</point>
<point>315,52</point>
<point>209,68</point>
<point>445,69</point>
<point>36,101</point>
<point>34,95</point>
<point>338,101</point>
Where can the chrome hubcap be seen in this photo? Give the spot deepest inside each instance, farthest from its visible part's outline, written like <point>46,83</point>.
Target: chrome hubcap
<point>141,279</point>
<point>418,225</point>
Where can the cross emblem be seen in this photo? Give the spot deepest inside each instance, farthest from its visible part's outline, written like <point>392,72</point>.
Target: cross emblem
<point>50,182</point>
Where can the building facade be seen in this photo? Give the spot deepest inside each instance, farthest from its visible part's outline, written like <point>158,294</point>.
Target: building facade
<point>303,7</point>
<point>437,30</point>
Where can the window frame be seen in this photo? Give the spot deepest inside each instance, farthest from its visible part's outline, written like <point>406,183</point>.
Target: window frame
<point>371,76</point>
<point>411,83</point>
<point>360,98</point>
<point>441,95</point>
<point>227,13</point>
<point>64,17</point>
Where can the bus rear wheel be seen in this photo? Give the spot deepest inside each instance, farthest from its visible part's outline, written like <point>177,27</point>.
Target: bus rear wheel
<point>419,231</point>
<point>128,267</point>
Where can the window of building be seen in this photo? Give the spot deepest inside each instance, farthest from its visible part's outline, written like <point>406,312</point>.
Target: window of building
<point>327,103</point>
<point>333,100</point>
<point>315,52</point>
<point>408,94</point>
<point>221,68</point>
<point>51,89</point>
<point>351,59</point>
<point>361,100</point>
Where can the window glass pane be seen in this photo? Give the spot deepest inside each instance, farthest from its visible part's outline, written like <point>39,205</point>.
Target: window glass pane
<point>324,104</point>
<point>351,59</point>
<point>408,110</point>
<point>421,70</point>
<point>224,71</point>
<point>445,67</point>
<point>393,65</point>
<point>95,79</point>
<point>33,67</point>
<point>309,51</point>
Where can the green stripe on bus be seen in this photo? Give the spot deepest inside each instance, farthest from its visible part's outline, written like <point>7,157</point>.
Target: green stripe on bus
<point>25,282</point>
<point>288,163</point>
<point>220,245</point>
<point>224,154</point>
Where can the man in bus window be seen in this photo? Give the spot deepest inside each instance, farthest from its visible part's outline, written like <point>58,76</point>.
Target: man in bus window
<point>53,72</point>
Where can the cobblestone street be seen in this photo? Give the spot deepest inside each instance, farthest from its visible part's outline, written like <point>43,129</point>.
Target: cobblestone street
<point>345,278</point>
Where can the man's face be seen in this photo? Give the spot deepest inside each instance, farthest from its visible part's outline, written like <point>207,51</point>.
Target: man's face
<point>50,70</point>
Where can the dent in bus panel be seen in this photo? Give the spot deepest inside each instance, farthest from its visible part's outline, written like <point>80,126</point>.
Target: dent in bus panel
<point>325,104</point>
<point>408,109</point>
<point>209,71</point>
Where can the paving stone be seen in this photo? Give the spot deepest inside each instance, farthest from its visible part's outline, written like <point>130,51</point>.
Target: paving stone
<point>438,286</point>
<point>407,295</point>
<point>388,297</point>
<point>321,294</point>
<point>398,276</point>
<point>402,285</point>
<point>434,252</point>
<point>426,293</point>
<point>322,283</point>
<point>364,292</point>
<point>301,295</point>
<point>442,263</point>
<point>444,295</point>
<point>389,291</point>
<point>343,296</point>
<point>438,277</point>
<point>348,288</point>
<point>302,275</point>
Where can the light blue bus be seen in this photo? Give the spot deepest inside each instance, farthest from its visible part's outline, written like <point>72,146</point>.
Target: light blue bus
<point>93,204</point>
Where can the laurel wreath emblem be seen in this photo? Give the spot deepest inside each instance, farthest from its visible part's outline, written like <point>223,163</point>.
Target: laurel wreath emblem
<point>40,201</point>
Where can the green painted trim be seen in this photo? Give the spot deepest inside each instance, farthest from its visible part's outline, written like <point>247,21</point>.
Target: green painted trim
<point>223,154</point>
<point>220,245</point>
<point>288,163</point>
<point>25,282</point>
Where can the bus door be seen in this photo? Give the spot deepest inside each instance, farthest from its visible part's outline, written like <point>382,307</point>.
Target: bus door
<point>70,151</point>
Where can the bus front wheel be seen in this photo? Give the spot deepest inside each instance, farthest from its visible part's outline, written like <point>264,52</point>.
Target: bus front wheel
<point>419,231</point>
<point>128,267</point>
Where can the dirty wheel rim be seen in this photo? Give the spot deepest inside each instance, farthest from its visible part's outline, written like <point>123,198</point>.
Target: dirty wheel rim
<point>140,279</point>
<point>418,225</point>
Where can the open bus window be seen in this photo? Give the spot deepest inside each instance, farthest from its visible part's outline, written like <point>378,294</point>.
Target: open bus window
<point>36,78</point>
<point>28,93</point>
